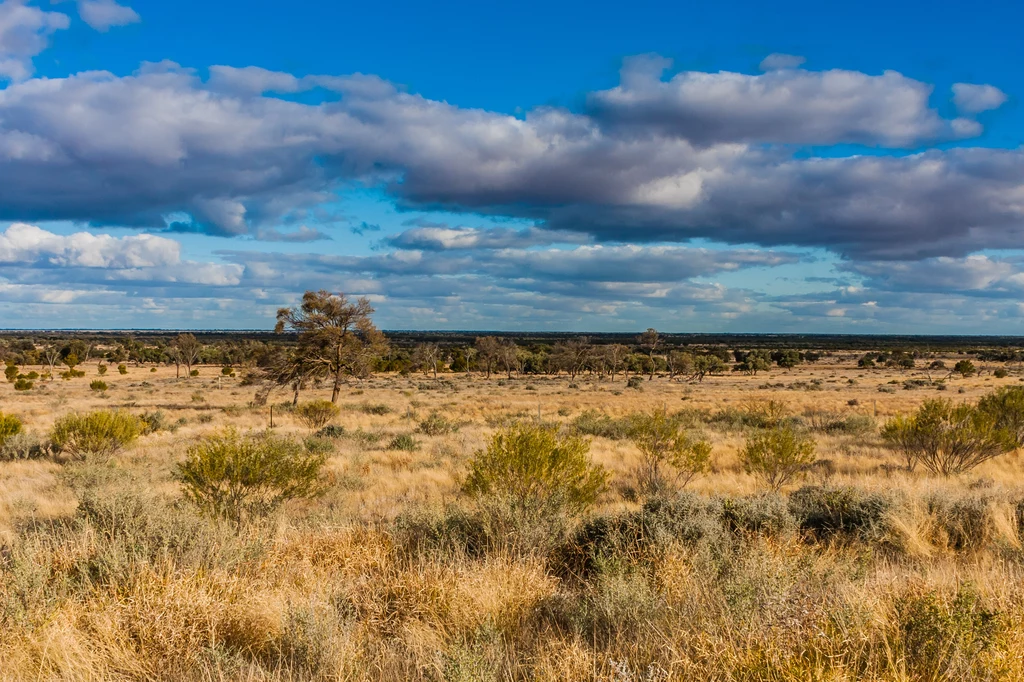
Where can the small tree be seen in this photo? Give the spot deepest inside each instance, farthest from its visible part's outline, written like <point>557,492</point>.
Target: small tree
<point>185,350</point>
<point>533,472</point>
<point>949,439</point>
<point>964,368</point>
<point>777,455</point>
<point>668,454</point>
<point>11,372</point>
<point>244,477</point>
<point>649,341</point>
<point>316,414</point>
<point>96,433</point>
<point>1006,407</point>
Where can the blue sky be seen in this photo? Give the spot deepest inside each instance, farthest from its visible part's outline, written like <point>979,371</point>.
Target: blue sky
<point>560,165</point>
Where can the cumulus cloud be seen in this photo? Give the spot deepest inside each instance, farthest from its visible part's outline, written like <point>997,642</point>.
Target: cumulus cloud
<point>975,275</point>
<point>697,156</point>
<point>444,238</point>
<point>973,99</point>
<point>24,32</point>
<point>302,235</point>
<point>102,15</point>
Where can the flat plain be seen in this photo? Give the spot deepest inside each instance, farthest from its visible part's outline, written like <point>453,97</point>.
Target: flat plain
<point>107,573</point>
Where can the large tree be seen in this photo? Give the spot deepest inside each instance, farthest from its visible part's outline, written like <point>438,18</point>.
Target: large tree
<point>184,350</point>
<point>335,336</point>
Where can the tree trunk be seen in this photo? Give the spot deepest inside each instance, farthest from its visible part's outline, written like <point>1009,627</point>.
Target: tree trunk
<point>337,386</point>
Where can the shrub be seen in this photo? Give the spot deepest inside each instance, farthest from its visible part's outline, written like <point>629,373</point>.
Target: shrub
<point>1001,373</point>
<point>331,431</point>
<point>33,375</point>
<point>101,369</point>
<point>10,425</point>
<point>375,408</point>
<point>962,522</point>
<point>227,371</point>
<point>403,441</point>
<point>98,385</point>
<point>153,421</point>
<point>778,455</point>
<point>72,374</point>
<point>97,433</point>
<point>594,423</point>
<point>122,369</point>
<point>529,475</point>
<point>948,439</point>
<point>1006,406</point>
<point>964,368</point>
<point>23,385</point>
<point>194,373</point>
<point>768,514</point>
<point>765,414</point>
<point>22,446</point>
<point>11,372</point>
<point>316,414</point>
<point>152,369</point>
<point>839,510</point>
<point>244,477</point>
<point>437,424</point>
<point>663,444</point>
<point>636,383</point>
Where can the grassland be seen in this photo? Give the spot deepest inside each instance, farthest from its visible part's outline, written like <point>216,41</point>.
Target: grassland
<point>106,573</point>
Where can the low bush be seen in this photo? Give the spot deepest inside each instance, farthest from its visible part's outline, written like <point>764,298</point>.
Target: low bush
<point>244,477</point>
<point>403,441</point>
<point>122,369</point>
<point>23,445</point>
<point>23,385</point>
<point>98,385</point>
<point>227,371</point>
<point>595,423</point>
<point>97,433</point>
<point>840,510</point>
<point>316,414</point>
<point>669,455</point>
<point>101,369</point>
<point>766,514</point>
<point>331,431</point>
<point>636,383</point>
<point>10,426</point>
<point>962,523</point>
<point>374,408</point>
<point>777,456</point>
<point>437,424</point>
<point>153,422</point>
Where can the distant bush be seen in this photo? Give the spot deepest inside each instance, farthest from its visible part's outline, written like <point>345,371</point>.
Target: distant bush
<point>244,477</point>
<point>963,522</point>
<point>636,383</point>
<point>227,371</point>
<point>1001,373</point>
<point>436,424</point>
<point>101,369</point>
<point>374,408</point>
<point>72,374</point>
<point>964,368</point>
<point>194,373</point>
<point>10,425</point>
<point>1006,407</point>
<point>949,439</point>
<point>122,369</point>
<point>96,433</point>
<point>594,423</point>
<point>778,455</point>
<point>669,455</point>
<point>98,385</point>
<point>316,414</point>
<point>23,385</point>
<point>403,441</point>
<point>835,422</point>
<point>11,373</point>
<point>22,445</point>
<point>153,421</point>
<point>767,514</point>
<point>331,431</point>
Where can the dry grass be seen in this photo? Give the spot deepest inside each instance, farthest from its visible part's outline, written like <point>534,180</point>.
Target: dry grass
<point>375,580</point>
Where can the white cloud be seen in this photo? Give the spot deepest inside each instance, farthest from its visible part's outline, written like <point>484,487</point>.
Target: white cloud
<point>973,99</point>
<point>104,14</point>
<point>24,32</point>
<point>27,244</point>
<point>778,61</point>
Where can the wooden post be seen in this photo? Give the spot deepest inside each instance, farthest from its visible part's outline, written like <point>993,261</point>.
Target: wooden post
<point>271,416</point>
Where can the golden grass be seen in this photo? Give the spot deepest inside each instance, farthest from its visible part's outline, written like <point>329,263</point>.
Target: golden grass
<point>328,591</point>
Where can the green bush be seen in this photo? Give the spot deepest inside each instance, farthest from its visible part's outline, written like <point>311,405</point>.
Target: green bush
<point>331,431</point>
<point>96,433</point>
<point>23,385</point>
<point>122,369</point>
<point>98,385</point>
<point>766,514</point>
<point>227,371</point>
<point>10,425</point>
<point>316,414</point>
<point>963,523</point>
<point>778,455</point>
<point>374,408</point>
<point>11,372</point>
<point>636,383</point>
<point>594,423</point>
<point>668,454</point>
<point>101,369</point>
<point>22,446</point>
<point>153,421</point>
<point>437,424</point>
<point>403,441</point>
<point>1001,373</point>
<point>244,477</point>
<point>1006,407</point>
<point>840,510</point>
<point>194,373</point>
<point>949,439</point>
<point>529,478</point>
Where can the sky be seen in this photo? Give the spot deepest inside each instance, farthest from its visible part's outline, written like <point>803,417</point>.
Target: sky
<point>564,166</point>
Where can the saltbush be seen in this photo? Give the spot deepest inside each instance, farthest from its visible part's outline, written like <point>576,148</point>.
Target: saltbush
<point>96,433</point>
<point>436,424</point>
<point>840,510</point>
<point>98,385</point>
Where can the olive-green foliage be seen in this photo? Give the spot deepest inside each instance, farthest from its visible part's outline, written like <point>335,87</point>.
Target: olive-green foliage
<point>10,425</point>
<point>11,372</point>
<point>536,467</point>
<point>777,455</point>
<point>962,522</point>
<point>23,385</point>
<point>767,514</point>
<point>316,414</point>
<point>98,385</point>
<point>530,480</point>
<point>595,423</point>
<point>97,433</point>
<point>403,441</point>
<point>122,369</point>
<point>946,639</point>
<point>964,368</point>
<point>1006,406</point>
<point>22,445</point>
<point>243,477</point>
<point>840,511</point>
<point>668,453</point>
<point>948,439</point>
<point>436,424</point>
